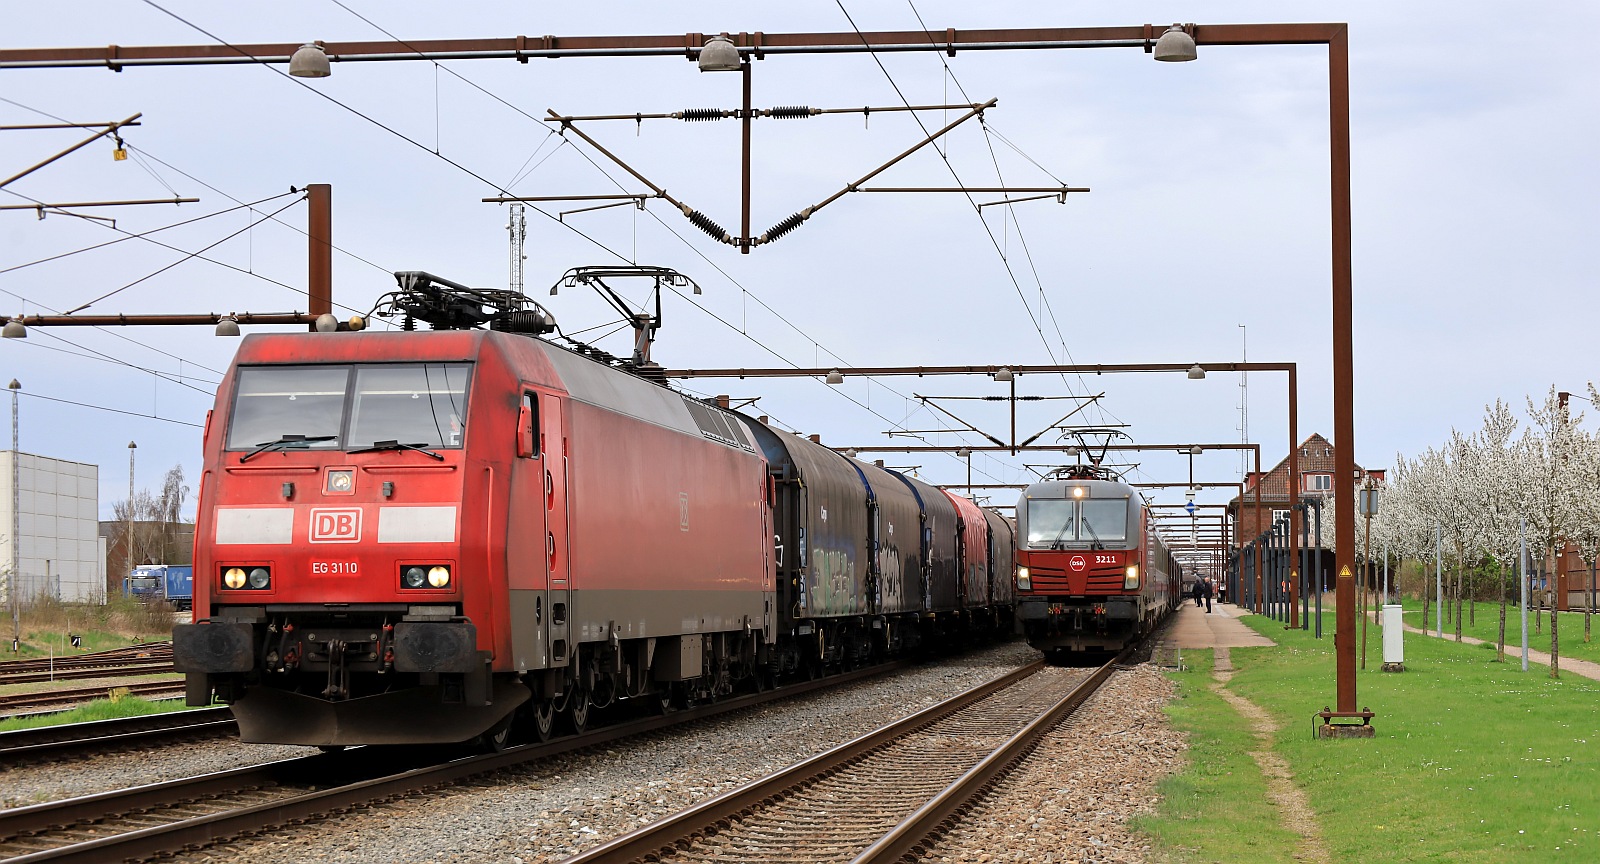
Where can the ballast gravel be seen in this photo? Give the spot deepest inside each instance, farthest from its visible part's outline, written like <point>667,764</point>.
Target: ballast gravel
<point>39,782</point>
<point>1070,801</point>
<point>562,806</point>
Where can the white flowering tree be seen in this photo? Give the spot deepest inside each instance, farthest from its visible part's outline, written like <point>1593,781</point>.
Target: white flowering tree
<point>1585,531</point>
<point>1553,504</point>
<point>1500,496</point>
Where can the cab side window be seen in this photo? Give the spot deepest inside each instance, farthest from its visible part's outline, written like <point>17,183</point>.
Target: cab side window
<point>528,427</point>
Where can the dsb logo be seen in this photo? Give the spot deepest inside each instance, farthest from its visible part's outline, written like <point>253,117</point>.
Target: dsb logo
<point>341,525</point>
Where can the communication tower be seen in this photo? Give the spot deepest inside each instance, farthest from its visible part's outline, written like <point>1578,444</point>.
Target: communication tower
<point>518,228</point>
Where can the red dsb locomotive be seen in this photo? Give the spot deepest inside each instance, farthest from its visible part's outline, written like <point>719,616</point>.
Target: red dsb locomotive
<point>1092,574</point>
<point>428,537</point>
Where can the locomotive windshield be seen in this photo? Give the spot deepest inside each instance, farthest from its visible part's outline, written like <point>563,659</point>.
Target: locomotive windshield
<point>348,407</point>
<point>1057,522</point>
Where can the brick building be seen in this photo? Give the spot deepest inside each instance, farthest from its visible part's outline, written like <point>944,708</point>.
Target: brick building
<point>1316,466</point>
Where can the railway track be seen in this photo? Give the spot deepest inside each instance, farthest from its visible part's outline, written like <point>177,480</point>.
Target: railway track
<point>22,702</point>
<point>72,740</point>
<point>148,659</point>
<point>877,798</point>
<point>163,818</point>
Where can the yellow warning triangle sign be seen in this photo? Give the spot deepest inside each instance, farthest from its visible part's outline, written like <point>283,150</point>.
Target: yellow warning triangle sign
<point>1344,572</point>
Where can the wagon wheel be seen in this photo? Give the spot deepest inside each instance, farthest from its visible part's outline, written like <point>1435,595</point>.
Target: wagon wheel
<point>497,737</point>
<point>663,700</point>
<point>578,711</point>
<point>541,719</point>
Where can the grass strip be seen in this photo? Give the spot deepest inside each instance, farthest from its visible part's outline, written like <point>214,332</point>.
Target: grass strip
<point>1485,625</point>
<point>114,708</point>
<point>1205,809</point>
<point>1472,761</point>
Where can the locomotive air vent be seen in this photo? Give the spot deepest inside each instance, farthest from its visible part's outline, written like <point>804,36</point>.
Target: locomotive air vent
<point>717,425</point>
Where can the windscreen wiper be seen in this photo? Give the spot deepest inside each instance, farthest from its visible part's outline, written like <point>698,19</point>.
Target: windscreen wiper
<point>1056,543</point>
<point>290,440</point>
<point>1097,543</point>
<point>396,445</point>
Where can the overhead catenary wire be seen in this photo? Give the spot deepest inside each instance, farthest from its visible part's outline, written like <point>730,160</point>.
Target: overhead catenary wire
<point>189,256</point>
<point>378,123</point>
<point>464,169</point>
<point>112,410</point>
<point>565,224</point>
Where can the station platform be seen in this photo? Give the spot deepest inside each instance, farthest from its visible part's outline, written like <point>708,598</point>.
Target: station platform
<point>1221,628</point>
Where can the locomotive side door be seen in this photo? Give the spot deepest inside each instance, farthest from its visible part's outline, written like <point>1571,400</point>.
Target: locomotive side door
<point>527,577</point>
<point>557,525</point>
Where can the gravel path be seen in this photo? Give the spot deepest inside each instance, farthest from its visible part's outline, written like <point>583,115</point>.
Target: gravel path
<point>1070,801</point>
<point>566,804</point>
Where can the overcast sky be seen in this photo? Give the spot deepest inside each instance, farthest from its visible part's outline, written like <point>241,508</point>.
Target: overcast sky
<point>1472,136</point>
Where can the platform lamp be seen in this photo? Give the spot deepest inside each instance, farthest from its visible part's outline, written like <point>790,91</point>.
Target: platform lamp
<point>311,61</point>
<point>966,453</point>
<point>1175,46</point>
<point>719,55</point>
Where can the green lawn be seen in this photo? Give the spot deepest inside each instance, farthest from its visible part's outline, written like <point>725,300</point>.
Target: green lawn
<point>1485,625</point>
<point>1473,760</point>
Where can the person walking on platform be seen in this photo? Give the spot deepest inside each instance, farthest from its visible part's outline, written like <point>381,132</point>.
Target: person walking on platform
<point>1222,591</point>
<point>1207,592</point>
<point>1199,592</point>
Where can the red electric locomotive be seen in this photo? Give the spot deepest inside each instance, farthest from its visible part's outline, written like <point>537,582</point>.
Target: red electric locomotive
<point>431,537</point>
<point>1092,573</point>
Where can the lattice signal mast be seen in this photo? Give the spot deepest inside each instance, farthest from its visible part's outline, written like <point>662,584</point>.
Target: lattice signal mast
<point>518,228</point>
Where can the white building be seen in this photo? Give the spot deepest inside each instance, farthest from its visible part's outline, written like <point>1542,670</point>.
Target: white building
<point>56,520</point>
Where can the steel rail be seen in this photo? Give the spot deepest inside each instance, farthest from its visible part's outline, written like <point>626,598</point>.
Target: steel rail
<point>113,670</point>
<point>914,832</point>
<point>63,739</point>
<point>206,830</point>
<point>56,698</point>
<point>660,838</point>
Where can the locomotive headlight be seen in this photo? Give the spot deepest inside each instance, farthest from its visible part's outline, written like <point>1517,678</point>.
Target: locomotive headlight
<point>1024,579</point>
<point>414,577</point>
<point>439,577</point>
<point>233,577</point>
<point>1131,580</point>
<point>260,577</point>
<point>341,482</point>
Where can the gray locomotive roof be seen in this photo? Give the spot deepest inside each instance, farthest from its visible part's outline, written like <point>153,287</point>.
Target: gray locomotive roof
<point>616,390</point>
<point>1097,489</point>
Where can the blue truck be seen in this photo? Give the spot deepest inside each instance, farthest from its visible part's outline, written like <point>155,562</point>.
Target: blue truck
<point>172,584</point>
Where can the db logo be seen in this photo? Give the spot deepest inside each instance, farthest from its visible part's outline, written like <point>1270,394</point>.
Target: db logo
<point>1077,563</point>
<point>341,525</point>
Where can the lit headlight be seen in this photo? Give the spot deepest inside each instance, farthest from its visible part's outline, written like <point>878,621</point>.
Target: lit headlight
<point>439,577</point>
<point>340,482</point>
<point>414,577</point>
<point>260,577</point>
<point>1024,580</point>
<point>233,577</point>
<point>1131,580</point>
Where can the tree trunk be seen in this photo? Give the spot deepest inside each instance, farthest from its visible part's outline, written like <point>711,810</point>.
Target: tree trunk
<point>1472,595</point>
<point>1428,592</point>
<point>1588,608</point>
<point>1555,619</point>
<point>1500,643</point>
<point>1461,569</point>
